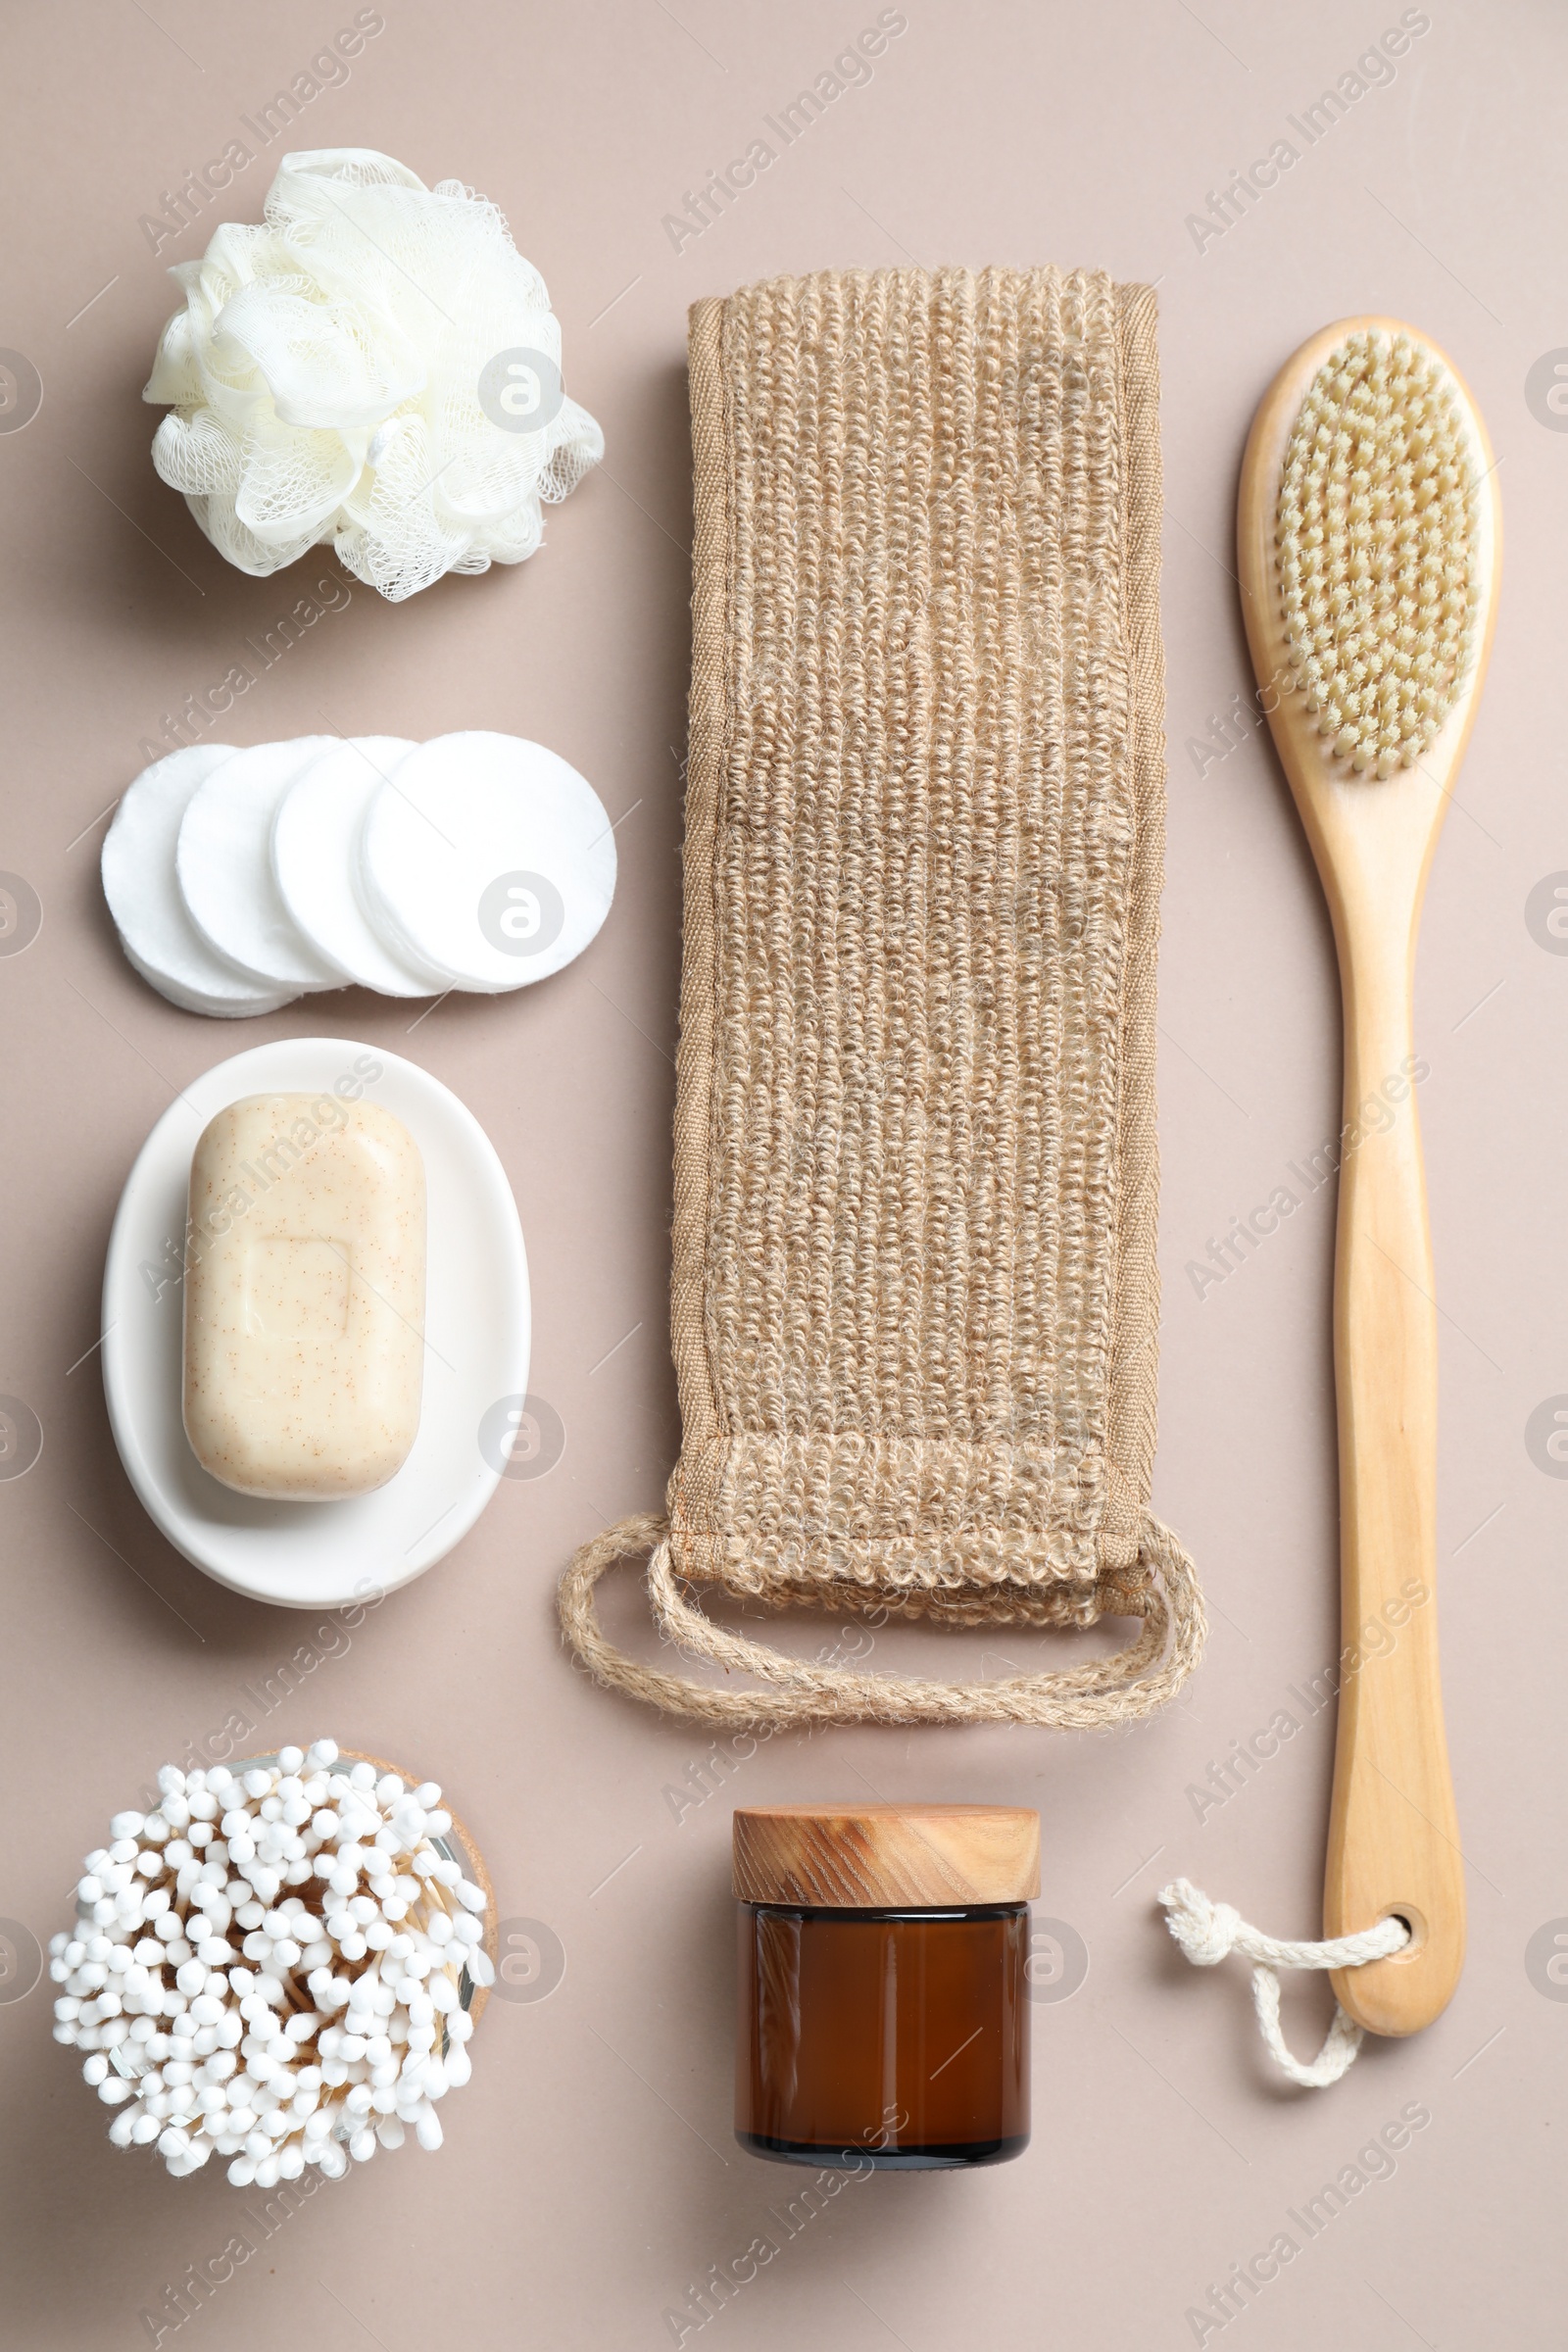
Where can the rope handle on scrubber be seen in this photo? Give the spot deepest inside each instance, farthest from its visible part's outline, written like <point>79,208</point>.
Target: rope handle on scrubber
<point>1209,1933</point>
<point>1111,1689</point>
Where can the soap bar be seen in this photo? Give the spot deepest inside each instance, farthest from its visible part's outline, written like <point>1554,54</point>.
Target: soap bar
<point>304,1297</point>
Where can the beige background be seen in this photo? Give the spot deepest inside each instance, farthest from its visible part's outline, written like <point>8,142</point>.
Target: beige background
<point>588,2178</point>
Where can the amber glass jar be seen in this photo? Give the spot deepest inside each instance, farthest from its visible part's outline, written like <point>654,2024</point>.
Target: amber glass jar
<point>882,2011</point>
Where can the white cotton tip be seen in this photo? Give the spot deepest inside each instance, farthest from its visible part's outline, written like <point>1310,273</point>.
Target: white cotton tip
<point>333,2161</point>
<point>489,860</point>
<point>427,2130</point>
<point>321,1753</point>
<point>223,862</point>
<point>481,1967</point>
<point>316,842</point>
<point>289,1759</point>
<point>231,2063</point>
<point>242,2172</point>
<point>471,1897</point>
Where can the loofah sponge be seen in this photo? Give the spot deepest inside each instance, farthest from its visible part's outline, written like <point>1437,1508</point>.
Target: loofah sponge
<point>1376,540</point>
<point>376,367</point>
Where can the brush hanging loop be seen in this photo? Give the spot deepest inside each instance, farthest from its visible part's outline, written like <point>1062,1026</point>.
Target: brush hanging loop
<point>1209,1933</point>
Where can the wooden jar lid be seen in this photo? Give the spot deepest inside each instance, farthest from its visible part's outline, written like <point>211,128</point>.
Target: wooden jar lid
<point>886,1857</point>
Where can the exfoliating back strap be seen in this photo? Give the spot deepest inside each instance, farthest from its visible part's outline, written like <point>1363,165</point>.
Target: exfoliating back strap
<point>914,1299</point>
<point>1162,1589</point>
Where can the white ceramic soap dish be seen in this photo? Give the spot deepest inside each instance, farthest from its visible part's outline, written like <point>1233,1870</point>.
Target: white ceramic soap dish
<point>327,1555</point>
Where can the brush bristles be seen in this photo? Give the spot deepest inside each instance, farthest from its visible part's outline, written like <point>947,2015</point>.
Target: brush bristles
<point>1377,550</point>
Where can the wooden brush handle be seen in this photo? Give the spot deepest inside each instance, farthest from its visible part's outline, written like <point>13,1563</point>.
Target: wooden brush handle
<point>1392,1834</point>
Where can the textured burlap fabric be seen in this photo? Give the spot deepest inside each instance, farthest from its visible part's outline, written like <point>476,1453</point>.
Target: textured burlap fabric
<point>915,1294</point>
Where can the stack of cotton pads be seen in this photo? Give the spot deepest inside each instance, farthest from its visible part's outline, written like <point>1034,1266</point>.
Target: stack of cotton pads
<point>276,1966</point>
<point>239,880</point>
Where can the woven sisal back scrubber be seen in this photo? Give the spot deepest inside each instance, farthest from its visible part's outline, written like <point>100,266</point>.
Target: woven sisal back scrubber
<point>914,1291</point>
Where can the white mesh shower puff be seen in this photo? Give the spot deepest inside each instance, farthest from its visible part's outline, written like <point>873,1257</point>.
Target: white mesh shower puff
<point>376,367</point>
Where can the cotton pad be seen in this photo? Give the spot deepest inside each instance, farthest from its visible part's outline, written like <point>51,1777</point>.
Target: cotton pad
<point>195,1000</point>
<point>314,855</point>
<point>489,858</point>
<point>222,860</point>
<point>138,873</point>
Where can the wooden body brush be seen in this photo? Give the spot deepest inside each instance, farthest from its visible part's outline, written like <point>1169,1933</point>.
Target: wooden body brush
<point>1368,538</point>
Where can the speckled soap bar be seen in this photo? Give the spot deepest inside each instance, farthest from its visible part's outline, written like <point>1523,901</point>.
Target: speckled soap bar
<point>304,1297</point>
